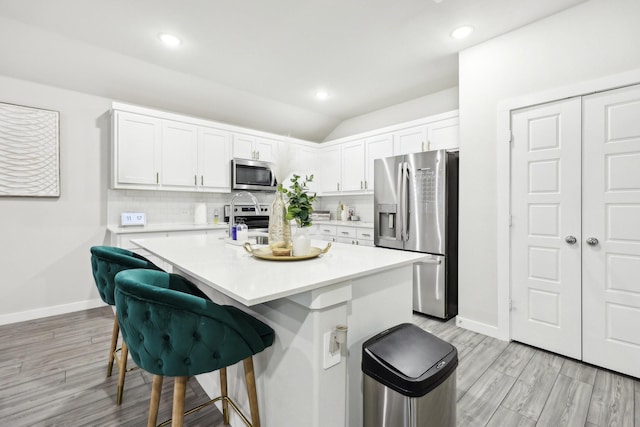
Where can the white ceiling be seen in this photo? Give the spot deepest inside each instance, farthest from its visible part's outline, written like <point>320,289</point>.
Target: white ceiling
<point>368,54</point>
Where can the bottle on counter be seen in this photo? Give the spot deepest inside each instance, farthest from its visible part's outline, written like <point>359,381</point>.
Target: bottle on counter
<point>279,227</point>
<point>339,211</point>
<point>242,231</point>
<point>234,232</point>
<point>216,216</point>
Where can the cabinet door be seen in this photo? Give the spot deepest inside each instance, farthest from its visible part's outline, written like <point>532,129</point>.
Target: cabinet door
<point>353,160</point>
<point>214,160</point>
<point>179,154</point>
<point>302,160</point>
<point>137,149</point>
<point>378,147</point>
<point>266,149</point>
<point>243,146</point>
<point>411,140</point>
<point>330,170</point>
<point>443,135</point>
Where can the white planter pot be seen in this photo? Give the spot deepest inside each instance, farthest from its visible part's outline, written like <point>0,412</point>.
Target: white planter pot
<point>301,242</point>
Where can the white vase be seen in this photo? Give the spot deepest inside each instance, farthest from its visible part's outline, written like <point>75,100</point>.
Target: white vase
<point>301,242</point>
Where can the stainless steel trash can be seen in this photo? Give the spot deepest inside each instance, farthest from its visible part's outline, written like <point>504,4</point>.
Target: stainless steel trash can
<point>409,379</point>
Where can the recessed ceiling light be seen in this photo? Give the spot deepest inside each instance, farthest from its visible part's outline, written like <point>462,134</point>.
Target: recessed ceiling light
<point>169,40</point>
<point>322,95</point>
<point>461,32</point>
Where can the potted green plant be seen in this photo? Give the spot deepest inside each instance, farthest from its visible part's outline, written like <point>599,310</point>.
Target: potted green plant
<point>299,208</point>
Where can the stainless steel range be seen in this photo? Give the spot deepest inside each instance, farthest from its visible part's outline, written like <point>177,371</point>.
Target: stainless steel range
<point>257,221</point>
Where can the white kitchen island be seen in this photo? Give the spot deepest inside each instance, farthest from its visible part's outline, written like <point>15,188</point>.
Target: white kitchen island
<point>299,382</point>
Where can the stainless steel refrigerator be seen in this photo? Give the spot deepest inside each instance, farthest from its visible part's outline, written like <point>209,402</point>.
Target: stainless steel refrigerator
<point>416,209</point>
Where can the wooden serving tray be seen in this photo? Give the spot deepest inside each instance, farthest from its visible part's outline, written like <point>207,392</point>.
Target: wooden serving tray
<point>265,253</point>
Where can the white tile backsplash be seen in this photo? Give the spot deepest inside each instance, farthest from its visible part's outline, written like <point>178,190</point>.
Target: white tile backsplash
<point>174,207</point>
<point>363,205</point>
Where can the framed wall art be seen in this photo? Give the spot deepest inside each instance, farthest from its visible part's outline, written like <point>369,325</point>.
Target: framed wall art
<point>29,151</point>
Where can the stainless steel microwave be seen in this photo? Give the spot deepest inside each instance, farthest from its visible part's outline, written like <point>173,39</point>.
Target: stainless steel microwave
<point>253,175</point>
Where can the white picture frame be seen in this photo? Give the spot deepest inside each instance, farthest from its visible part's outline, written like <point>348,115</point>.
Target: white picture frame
<point>29,151</point>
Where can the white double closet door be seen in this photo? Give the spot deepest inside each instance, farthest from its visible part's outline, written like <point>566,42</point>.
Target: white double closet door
<point>575,233</point>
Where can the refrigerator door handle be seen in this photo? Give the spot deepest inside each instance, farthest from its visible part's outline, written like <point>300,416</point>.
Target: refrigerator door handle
<point>405,201</point>
<point>399,190</point>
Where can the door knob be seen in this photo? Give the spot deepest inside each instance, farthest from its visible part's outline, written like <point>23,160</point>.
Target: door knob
<point>571,240</point>
<point>592,241</point>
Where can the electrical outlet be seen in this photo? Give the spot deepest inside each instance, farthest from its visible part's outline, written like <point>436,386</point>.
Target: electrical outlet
<point>329,359</point>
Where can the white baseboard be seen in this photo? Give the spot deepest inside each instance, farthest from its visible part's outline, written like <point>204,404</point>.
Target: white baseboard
<point>481,328</point>
<point>39,313</point>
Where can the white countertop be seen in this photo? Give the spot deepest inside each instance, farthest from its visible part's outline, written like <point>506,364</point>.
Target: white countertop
<point>156,228</point>
<point>237,274</point>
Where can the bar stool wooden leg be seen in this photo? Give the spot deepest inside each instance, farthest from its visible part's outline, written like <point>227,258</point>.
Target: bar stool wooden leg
<point>122,365</point>
<point>114,344</point>
<point>224,392</point>
<point>251,390</point>
<point>179,390</point>
<point>154,404</point>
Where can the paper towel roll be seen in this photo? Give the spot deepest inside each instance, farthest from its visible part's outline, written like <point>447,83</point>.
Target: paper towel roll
<point>200,214</point>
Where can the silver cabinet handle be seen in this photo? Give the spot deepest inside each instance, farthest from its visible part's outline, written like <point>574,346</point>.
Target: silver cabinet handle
<point>571,240</point>
<point>344,232</point>
<point>195,180</point>
<point>592,241</point>
<point>431,261</point>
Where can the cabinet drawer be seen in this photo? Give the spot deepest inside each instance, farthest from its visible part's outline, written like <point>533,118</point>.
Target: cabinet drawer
<point>364,234</point>
<point>346,232</point>
<point>326,230</point>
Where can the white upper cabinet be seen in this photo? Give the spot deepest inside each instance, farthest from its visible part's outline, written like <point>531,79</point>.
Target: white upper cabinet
<point>136,150</point>
<point>244,146</point>
<point>355,160</point>
<point>437,135</point>
<point>378,147</point>
<point>353,166</point>
<point>179,154</point>
<point>254,148</point>
<point>156,153</point>
<point>443,134</point>
<point>214,160</point>
<point>411,140</point>
<point>330,172</point>
<point>301,160</point>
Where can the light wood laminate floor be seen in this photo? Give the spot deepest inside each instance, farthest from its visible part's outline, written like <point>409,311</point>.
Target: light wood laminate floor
<point>53,373</point>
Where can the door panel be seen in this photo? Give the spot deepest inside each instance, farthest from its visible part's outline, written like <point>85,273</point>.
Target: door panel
<point>545,197</point>
<point>611,214</point>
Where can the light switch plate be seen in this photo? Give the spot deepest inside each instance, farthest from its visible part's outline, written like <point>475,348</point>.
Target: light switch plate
<point>133,218</point>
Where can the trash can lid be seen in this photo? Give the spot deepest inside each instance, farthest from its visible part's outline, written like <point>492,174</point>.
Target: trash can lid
<point>408,359</point>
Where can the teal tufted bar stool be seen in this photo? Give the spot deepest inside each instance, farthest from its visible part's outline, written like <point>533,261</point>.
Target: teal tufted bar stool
<point>106,262</point>
<point>171,332</point>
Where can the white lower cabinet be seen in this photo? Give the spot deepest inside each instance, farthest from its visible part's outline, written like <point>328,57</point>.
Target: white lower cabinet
<point>344,234</point>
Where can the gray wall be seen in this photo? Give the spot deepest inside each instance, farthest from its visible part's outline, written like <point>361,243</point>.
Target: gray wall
<point>592,40</point>
<point>429,105</point>
<point>45,241</point>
